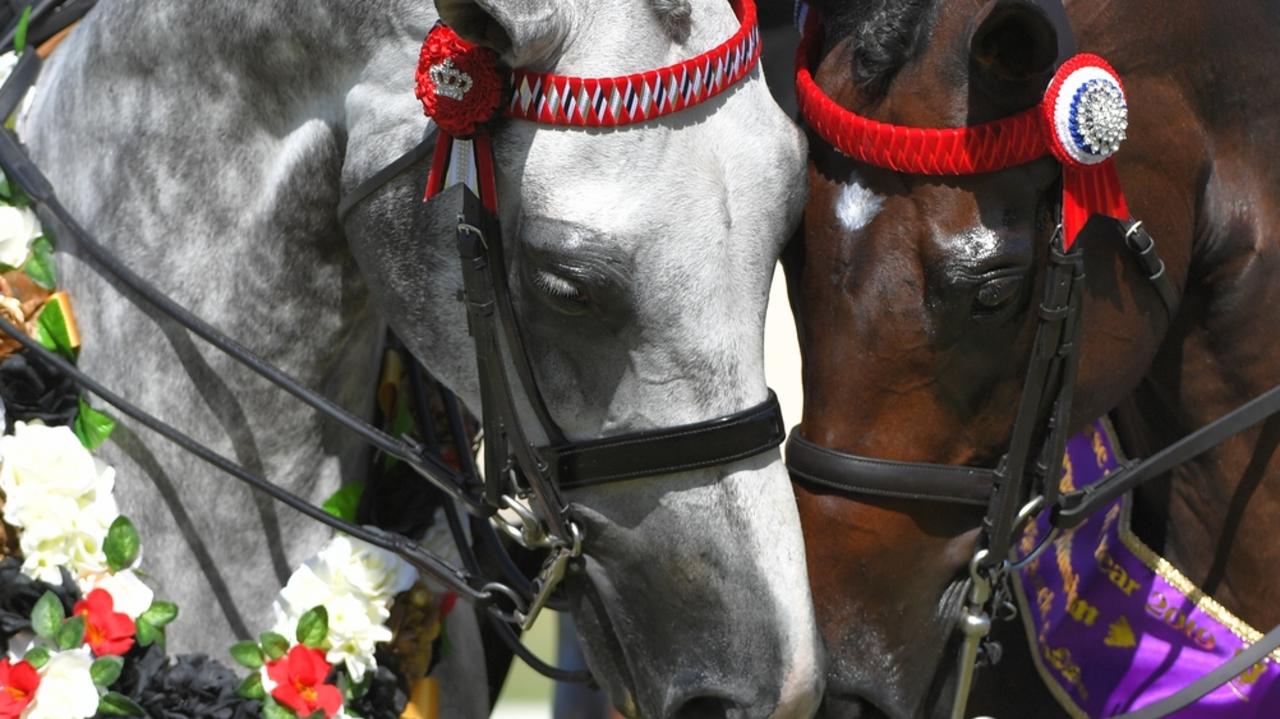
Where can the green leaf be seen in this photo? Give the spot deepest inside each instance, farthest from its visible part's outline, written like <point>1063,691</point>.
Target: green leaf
<point>148,633</point>
<point>52,332</point>
<point>106,670</point>
<point>251,687</point>
<point>160,613</point>
<point>353,690</point>
<point>313,628</point>
<point>5,192</point>
<point>47,616</point>
<point>273,645</point>
<point>345,501</point>
<point>122,544</point>
<point>37,657</point>
<point>71,634</point>
<point>247,654</point>
<point>20,34</point>
<point>91,426</point>
<point>271,710</point>
<point>40,266</point>
<point>119,705</point>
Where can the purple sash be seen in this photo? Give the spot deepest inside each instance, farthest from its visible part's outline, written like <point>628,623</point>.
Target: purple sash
<point>1113,627</point>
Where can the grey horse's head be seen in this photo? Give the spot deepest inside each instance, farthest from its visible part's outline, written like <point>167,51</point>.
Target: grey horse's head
<point>640,263</point>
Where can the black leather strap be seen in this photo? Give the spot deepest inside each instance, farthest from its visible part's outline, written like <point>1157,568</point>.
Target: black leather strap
<point>1225,672</point>
<point>1074,508</point>
<point>1143,247</point>
<point>22,79</point>
<point>674,449</point>
<point>417,155</point>
<point>430,564</point>
<point>953,484</point>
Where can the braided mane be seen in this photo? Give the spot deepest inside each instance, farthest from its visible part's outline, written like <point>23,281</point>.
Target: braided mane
<point>885,35</point>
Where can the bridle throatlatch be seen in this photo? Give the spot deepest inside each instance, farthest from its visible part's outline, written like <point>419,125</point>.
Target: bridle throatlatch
<point>1080,122</point>
<point>465,90</point>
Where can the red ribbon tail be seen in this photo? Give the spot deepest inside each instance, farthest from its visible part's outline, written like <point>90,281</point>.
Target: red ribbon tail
<point>475,167</point>
<point>439,163</point>
<point>1088,191</point>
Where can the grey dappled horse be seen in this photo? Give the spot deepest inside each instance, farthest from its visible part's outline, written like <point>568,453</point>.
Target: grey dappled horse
<point>208,143</point>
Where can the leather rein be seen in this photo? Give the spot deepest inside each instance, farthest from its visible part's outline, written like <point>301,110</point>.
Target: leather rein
<point>526,468</point>
<point>1025,481</point>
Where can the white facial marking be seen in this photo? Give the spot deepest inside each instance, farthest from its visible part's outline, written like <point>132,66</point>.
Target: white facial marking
<point>857,206</point>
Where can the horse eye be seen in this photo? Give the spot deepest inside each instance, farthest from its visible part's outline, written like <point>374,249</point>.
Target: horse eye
<point>995,294</point>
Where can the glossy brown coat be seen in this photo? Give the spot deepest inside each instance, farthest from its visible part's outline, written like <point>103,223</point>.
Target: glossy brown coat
<point>904,361</point>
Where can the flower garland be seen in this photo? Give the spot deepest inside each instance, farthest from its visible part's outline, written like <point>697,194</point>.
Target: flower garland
<point>84,634</point>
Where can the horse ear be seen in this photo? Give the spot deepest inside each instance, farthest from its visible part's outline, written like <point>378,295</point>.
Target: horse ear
<point>523,32</point>
<point>1013,49</point>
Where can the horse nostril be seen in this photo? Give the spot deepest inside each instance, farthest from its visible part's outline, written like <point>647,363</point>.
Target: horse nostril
<point>708,707</point>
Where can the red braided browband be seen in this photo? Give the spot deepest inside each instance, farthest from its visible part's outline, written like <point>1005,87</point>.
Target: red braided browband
<point>460,86</point>
<point>1090,183</point>
<point>609,101</point>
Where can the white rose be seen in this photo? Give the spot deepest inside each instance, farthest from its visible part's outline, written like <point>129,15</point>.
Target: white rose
<point>60,497</point>
<point>373,572</point>
<point>304,591</point>
<point>19,226</point>
<point>46,553</point>
<point>128,594</point>
<point>66,688</point>
<point>36,461</point>
<point>356,626</point>
<point>8,61</point>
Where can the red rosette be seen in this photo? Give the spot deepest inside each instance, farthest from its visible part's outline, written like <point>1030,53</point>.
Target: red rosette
<point>458,83</point>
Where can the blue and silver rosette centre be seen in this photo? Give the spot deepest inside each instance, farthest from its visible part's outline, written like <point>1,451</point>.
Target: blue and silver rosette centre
<point>1091,115</point>
<point>1099,118</point>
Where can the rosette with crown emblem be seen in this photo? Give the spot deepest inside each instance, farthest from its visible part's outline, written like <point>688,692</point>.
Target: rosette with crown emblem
<point>458,83</point>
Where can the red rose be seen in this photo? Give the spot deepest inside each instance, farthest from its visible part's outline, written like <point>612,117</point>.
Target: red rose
<point>18,684</point>
<point>299,678</point>
<point>106,631</point>
<point>458,82</point>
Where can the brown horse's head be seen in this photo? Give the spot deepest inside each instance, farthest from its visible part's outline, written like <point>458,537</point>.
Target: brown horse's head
<point>916,298</point>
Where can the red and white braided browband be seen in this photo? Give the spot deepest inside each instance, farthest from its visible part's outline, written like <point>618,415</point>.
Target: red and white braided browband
<point>610,101</point>
<point>461,88</point>
<point>1080,122</point>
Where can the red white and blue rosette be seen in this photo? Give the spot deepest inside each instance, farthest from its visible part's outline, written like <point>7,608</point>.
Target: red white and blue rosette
<point>1086,111</point>
<point>1086,116</point>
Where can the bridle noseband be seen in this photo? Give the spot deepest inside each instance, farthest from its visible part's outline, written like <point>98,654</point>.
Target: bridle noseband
<point>1080,123</point>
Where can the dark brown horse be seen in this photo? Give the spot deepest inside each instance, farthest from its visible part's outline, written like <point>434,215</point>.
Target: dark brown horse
<point>915,296</point>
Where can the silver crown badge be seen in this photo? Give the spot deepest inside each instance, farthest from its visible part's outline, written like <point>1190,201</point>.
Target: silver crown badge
<point>450,82</point>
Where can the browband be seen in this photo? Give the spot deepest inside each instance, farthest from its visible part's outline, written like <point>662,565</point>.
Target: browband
<point>888,478</point>
<point>1080,122</point>
<point>553,99</point>
<point>461,85</point>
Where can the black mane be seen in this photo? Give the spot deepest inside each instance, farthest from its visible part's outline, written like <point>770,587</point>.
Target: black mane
<point>884,32</point>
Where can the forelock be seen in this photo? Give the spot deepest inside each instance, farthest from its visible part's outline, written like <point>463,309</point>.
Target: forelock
<point>885,35</point>
<point>675,15</point>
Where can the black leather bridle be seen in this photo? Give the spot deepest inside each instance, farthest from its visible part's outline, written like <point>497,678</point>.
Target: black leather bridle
<point>526,469</point>
<point>1025,481</point>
